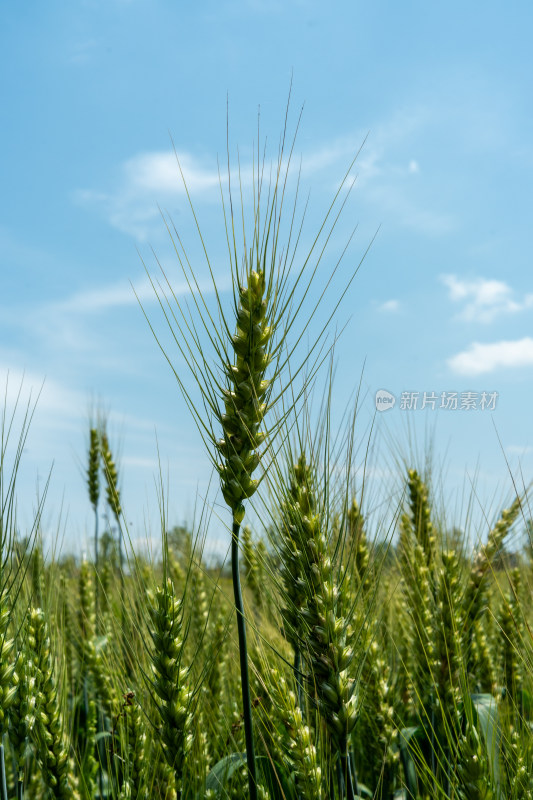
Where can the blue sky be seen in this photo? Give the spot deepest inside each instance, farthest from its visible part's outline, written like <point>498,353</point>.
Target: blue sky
<point>92,93</point>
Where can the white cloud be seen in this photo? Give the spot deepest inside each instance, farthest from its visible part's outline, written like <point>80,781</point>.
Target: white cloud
<point>81,52</point>
<point>123,293</point>
<point>105,297</point>
<point>483,299</point>
<point>519,449</point>
<point>387,178</point>
<point>22,390</point>
<point>339,155</point>
<point>160,173</point>
<point>148,180</point>
<point>482,358</point>
<point>394,200</point>
<point>382,167</point>
<point>78,333</point>
<point>151,179</point>
<point>389,306</point>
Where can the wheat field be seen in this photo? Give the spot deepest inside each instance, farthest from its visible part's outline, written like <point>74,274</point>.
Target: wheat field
<point>323,661</point>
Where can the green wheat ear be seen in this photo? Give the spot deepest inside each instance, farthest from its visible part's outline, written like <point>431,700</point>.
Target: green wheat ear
<point>8,686</point>
<point>49,732</point>
<point>170,680</point>
<point>111,476</point>
<point>244,397</point>
<point>93,467</point>
<point>93,485</point>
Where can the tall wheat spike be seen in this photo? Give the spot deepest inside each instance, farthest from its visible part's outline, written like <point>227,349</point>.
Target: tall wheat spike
<point>475,598</point>
<point>49,733</point>
<point>93,486</point>
<point>300,749</point>
<point>317,614</point>
<point>170,679</point>
<point>22,713</point>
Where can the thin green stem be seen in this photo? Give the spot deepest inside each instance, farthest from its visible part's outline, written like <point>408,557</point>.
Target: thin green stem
<point>96,582</point>
<point>3,782</point>
<point>243,655</point>
<point>101,759</point>
<point>353,786</point>
<point>298,678</point>
<point>125,652</point>
<point>100,716</point>
<point>346,780</point>
<point>121,566</point>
